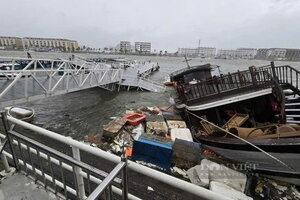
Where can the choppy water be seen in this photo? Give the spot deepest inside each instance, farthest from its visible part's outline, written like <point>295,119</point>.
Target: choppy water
<point>81,113</point>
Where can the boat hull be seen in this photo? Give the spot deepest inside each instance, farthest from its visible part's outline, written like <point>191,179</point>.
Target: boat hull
<point>286,150</point>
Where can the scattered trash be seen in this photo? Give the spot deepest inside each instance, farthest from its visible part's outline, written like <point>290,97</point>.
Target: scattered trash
<point>276,190</point>
<point>94,139</point>
<point>128,151</point>
<point>157,128</point>
<point>227,191</point>
<point>186,154</point>
<point>114,127</point>
<point>150,188</point>
<point>162,141</point>
<point>176,124</point>
<point>181,172</point>
<point>139,130</point>
<point>135,119</point>
<point>211,171</point>
<point>181,133</point>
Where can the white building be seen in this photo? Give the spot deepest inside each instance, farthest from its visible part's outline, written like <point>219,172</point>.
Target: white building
<point>10,43</point>
<point>50,43</point>
<point>125,46</point>
<point>206,52</point>
<point>227,53</point>
<point>188,51</point>
<point>277,53</point>
<point>142,47</point>
<point>246,53</point>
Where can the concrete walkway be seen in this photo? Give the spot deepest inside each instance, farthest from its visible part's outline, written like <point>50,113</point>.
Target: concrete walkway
<point>20,187</point>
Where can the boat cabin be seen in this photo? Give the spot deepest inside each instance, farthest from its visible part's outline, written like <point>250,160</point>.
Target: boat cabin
<point>192,74</point>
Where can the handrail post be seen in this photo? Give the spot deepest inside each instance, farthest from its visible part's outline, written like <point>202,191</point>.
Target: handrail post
<point>4,159</point>
<point>253,75</point>
<point>124,178</point>
<point>273,69</point>
<point>9,139</point>
<point>79,177</point>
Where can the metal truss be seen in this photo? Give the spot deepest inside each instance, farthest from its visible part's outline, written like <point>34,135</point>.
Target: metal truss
<point>23,79</point>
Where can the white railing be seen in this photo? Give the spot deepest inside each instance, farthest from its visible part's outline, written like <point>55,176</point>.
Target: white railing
<point>143,83</point>
<point>79,147</point>
<point>38,78</point>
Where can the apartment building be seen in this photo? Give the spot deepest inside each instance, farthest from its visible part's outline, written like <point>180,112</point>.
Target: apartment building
<point>277,53</point>
<point>206,52</point>
<point>49,44</point>
<point>10,43</point>
<point>226,53</point>
<point>142,47</point>
<point>187,51</point>
<point>246,53</point>
<point>125,46</point>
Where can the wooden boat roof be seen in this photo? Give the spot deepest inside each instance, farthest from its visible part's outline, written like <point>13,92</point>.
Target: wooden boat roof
<point>192,69</point>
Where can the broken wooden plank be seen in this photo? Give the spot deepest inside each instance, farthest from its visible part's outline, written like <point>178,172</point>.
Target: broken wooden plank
<point>114,127</point>
<point>235,121</point>
<point>176,124</point>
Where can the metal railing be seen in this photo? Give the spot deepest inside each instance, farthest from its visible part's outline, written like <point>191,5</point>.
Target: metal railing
<point>23,79</point>
<point>143,83</point>
<point>79,180</point>
<point>232,83</point>
<point>66,176</point>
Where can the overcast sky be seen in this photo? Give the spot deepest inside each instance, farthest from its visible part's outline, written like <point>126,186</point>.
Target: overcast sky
<point>168,24</point>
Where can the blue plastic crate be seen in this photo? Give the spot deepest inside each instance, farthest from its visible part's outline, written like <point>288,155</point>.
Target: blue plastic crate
<point>153,152</point>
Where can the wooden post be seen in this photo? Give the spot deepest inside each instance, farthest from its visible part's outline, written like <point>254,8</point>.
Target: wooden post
<point>273,69</point>
<point>253,75</point>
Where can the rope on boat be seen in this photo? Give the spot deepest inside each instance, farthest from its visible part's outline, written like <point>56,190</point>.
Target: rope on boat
<point>246,141</point>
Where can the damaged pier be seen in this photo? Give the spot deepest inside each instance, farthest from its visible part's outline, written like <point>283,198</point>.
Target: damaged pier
<point>136,77</point>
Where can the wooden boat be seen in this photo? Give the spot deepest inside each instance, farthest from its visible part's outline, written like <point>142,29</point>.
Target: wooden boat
<point>286,150</point>
<point>258,93</point>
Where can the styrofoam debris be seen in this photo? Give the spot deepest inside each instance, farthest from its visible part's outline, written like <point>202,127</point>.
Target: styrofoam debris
<point>21,111</point>
<point>228,191</point>
<point>211,171</point>
<point>180,171</point>
<point>150,188</point>
<point>181,133</point>
<point>139,130</point>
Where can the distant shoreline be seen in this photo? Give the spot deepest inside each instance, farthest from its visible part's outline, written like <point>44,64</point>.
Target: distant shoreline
<point>133,54</point>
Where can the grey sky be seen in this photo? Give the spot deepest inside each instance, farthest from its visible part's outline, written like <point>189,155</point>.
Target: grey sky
<point>168,24</point>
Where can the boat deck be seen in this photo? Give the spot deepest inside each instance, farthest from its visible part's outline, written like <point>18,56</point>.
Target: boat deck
<point>224,100</point>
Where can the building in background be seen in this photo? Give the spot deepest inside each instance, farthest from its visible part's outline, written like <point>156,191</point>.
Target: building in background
<point>125,46</point>
<point>246,53</point>
<point>187,52</point>
<point>49,44</point>
<point>262,54</point>
<point>227,53</point>
<point>292,54</point>
<point>142,47</point>
<point>276,53</point>
<point>206,52</point>
<point>10,43</point>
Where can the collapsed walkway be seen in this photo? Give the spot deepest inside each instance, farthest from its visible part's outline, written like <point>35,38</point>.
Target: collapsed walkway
<point>136,77</point>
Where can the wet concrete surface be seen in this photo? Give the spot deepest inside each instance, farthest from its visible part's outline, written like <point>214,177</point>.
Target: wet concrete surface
<point>20,187</point>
